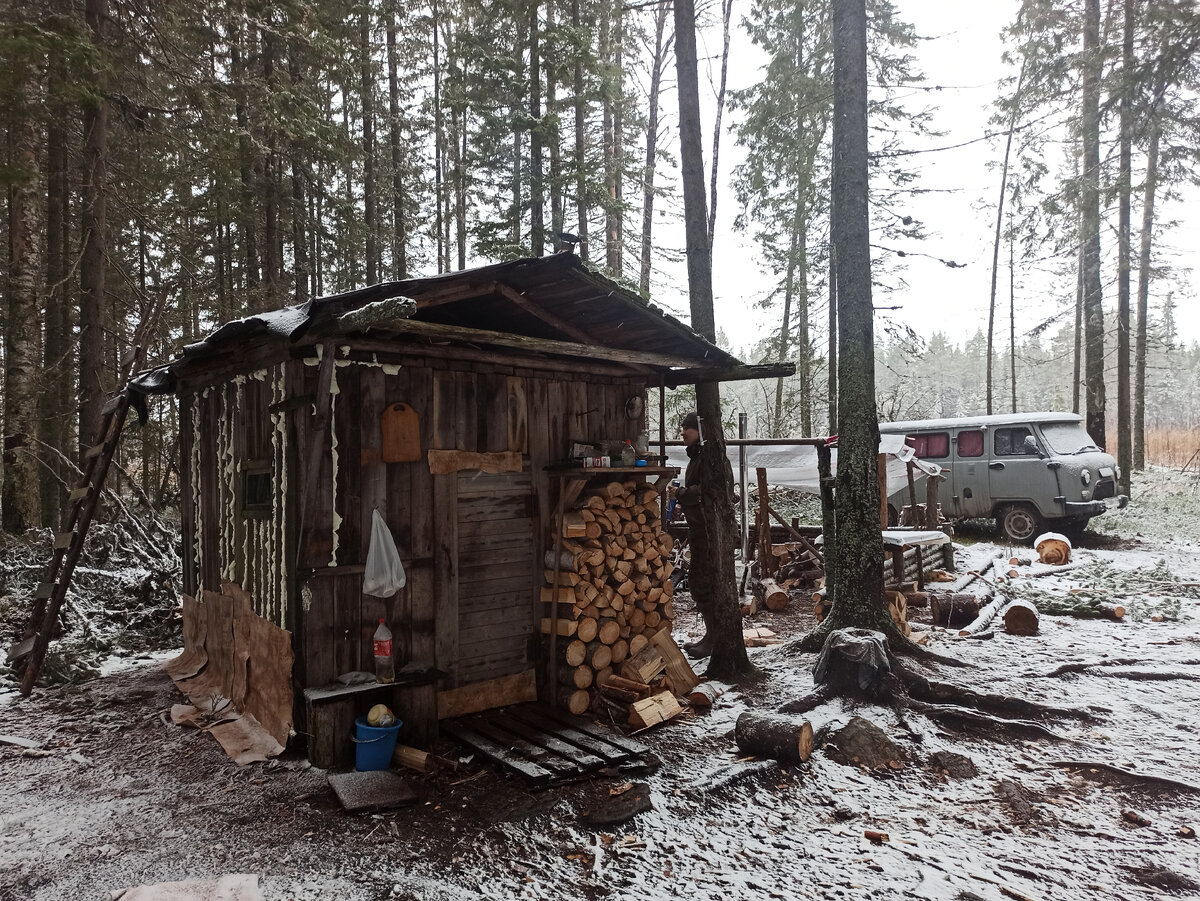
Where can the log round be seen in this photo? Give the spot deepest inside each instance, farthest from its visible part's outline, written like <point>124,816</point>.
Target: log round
<point>587,629</point>
<point>575,701</point>
<point>1020,618</point>
<point>620,650</point>
<point>610,631</point>
<point>768,735</point>
<point>953,609</point>
<point>575,653</point>
<point>576,676</point>
<point>600,655</point>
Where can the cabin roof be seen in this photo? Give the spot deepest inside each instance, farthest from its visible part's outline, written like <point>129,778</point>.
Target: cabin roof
<point>557,299</point>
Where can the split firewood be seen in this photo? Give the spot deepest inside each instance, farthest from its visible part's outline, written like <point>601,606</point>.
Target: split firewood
<point>644,666</point>
<point>564,627</point>
<point>1136,818</point>
<point>654,710</point>
<point>679,671</point>
<point>774,736</point>
<point>421,761</point>
<point>705,694</point>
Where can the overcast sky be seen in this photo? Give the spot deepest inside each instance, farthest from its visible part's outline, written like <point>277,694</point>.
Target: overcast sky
<point>962,55</point>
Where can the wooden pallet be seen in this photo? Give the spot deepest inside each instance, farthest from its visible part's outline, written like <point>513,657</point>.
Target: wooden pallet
<point>546,746</point>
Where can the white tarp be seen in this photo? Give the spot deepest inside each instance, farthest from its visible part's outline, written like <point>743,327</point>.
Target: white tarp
<point>796,466</point>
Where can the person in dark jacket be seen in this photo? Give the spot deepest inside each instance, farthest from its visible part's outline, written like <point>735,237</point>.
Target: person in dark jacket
<point>688,496</point>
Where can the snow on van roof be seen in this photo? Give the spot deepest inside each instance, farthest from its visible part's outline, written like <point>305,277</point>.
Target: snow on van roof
<point>967,422</point>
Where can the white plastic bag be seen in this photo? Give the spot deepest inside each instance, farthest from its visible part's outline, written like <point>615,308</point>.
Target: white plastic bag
<point>385,573</point>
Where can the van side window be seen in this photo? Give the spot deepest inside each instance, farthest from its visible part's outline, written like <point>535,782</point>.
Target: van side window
<point>970,444</point>
<point>932,446</point>
<point>1010,442</point>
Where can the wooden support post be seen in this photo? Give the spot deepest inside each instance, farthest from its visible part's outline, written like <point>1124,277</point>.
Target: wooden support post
<point>763,526</point>
<point>881,474</point>
<point>931,501</point>
<point>915,520</point>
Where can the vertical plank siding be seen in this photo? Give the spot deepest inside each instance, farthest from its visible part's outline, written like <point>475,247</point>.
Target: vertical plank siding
<point>471,543</point>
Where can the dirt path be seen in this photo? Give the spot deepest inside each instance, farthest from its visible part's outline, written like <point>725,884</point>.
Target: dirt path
<point>115,797</point>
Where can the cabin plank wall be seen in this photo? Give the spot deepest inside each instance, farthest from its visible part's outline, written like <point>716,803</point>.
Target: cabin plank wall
<point>471,542</point>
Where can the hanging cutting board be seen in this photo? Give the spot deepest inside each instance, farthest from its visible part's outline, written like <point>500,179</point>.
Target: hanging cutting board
<point>401,434</point>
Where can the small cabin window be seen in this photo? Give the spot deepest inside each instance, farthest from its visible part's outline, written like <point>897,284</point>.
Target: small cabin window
<point>258,488</point>
<point>931,446</point>
<point>970,444</point>
<point>1011,442</point>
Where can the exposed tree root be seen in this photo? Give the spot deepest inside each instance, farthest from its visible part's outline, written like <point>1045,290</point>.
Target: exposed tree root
<point>923,689</point>
<point>1083,666</point>
<point>1129,774</point>
<point>975,717</point>
<point>1151,676</point>
<point>729,776</point>
<point>906,689</point>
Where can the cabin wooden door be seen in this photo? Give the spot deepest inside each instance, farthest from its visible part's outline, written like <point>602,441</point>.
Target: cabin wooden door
<point>496,574</point>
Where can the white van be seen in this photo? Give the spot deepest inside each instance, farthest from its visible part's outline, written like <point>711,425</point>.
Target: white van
<point>1030,471</point>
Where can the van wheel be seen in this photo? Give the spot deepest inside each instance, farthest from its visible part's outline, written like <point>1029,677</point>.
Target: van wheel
<point>1019,523</point>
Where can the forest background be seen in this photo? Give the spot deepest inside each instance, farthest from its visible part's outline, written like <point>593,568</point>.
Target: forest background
<point>199,166</point>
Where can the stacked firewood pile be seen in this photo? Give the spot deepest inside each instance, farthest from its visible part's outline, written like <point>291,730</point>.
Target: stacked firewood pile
<point>614,591</point>
<point>646,689</point>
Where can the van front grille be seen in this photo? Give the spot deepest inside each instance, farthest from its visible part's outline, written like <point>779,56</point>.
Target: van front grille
<point>1105,488</point>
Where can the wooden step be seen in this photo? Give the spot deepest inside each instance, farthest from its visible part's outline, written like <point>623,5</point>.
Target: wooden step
<point>80,493</point>
<point>94,451</point>
<point>44,590</point>
<point>63,540</point>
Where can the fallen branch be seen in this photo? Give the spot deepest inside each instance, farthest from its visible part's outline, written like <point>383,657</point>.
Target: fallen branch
<point>1132,774</point>
<point>985,617</point>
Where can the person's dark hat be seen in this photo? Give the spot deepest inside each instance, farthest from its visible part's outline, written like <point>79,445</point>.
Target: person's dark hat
<point>691,421</point>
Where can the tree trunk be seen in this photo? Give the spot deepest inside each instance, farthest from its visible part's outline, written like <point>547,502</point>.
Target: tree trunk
<point>537,201</point>
<point>395,138</point>
<point>93,317</point>
<point>1143,300</point>
<point>658,63</point>
<point>726,15</point>
<point>832,364</point>
<point>1124,228</point>
<point>21,497</point>
<point>551,137</point>
<point>1093,313</point>
<point>439,153</point>
<point>366,70</point>
<point>581,226</point>
<point>855,561</point>
<point>729,658</point>
<point>1012,122</point>
<point>57,356</point>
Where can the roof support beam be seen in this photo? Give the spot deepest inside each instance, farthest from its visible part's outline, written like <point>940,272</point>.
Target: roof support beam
<point>438,331</point>
<point>555,322</point>
<point>695,375</point>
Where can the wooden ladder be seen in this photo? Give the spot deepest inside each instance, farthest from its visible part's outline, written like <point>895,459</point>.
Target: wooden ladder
<point>68,544</point>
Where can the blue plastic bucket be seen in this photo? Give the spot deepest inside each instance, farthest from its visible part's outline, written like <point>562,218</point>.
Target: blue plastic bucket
<point>373,745</point>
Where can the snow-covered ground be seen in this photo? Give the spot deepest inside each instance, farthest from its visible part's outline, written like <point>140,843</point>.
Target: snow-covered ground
<point>114,796</point>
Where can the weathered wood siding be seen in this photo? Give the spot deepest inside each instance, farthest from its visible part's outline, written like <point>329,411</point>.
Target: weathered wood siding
<point>471,543</point>
<point>223,428</point>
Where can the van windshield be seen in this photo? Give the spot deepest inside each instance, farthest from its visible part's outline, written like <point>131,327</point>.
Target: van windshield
<point>1067,437</point>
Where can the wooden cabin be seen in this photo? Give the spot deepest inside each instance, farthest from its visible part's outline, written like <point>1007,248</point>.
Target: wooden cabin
<point>297,424</point>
